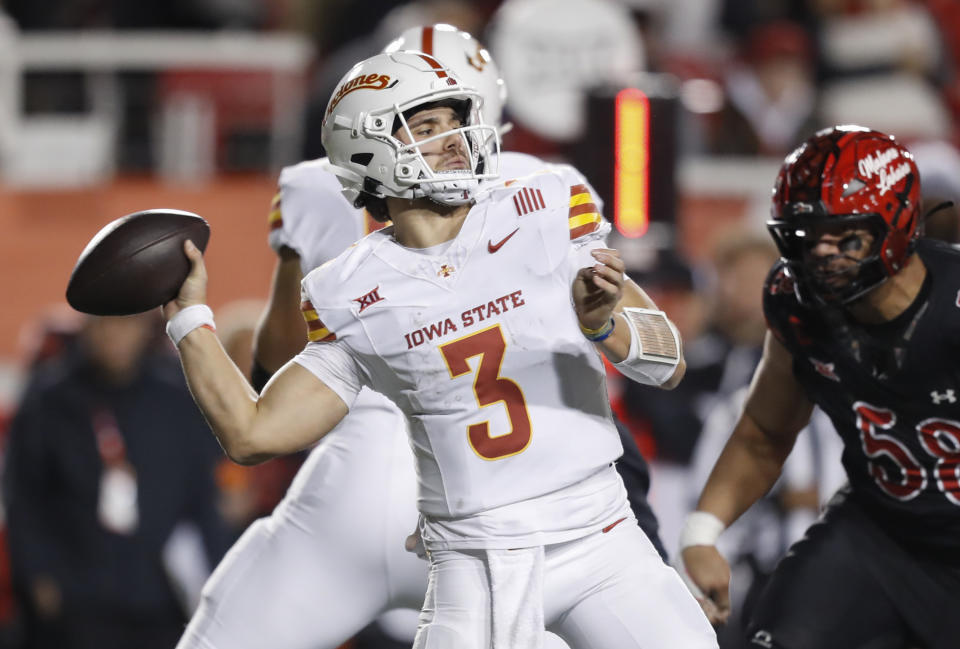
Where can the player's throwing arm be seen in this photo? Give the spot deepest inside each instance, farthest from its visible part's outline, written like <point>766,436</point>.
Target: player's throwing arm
<point>251,428</point>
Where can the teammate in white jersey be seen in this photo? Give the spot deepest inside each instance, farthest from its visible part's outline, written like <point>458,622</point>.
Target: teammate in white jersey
<point>314,550</point>
<point>525,506</point>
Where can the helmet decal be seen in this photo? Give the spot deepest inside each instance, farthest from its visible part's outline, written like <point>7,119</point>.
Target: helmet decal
<point>372,81</point>
<point>847,177</point>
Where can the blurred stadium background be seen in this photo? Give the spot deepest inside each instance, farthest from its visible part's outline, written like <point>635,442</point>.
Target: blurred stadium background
<point>110,107</point>
<point>679,111</point>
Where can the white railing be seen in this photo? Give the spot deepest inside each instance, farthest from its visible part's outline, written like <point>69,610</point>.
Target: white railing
<point>99,55</point>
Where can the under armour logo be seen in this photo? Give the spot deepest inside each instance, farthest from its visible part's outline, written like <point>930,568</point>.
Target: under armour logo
<point>370,298</point>
<point>825,369</point>
<point>938,397</point>
<point>445,271</point>
<point>763,639</point>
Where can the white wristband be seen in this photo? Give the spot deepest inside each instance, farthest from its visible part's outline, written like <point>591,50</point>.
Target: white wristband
<point>188,319</point>
<point>700,528</point>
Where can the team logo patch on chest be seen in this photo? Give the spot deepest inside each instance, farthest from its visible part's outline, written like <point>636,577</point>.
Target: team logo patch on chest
<point>446,271</point>
<point>368,299</point>
<point>825,369</point>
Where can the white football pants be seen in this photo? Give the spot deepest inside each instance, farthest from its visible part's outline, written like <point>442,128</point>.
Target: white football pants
<point>604,591</point>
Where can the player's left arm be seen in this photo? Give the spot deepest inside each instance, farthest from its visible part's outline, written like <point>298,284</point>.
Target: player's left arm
<point>601,293</point>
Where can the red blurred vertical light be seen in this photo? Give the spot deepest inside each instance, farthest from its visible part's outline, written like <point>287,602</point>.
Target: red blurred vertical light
<point>631,167</point>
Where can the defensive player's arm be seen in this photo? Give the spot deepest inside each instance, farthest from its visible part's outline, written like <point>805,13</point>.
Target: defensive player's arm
<point>281,332</point>
<point>776,410</point>
<point>295,409</point>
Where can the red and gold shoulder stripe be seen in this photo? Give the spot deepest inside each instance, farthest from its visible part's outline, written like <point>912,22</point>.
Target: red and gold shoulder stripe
<point>316,331</point>
<point>584,217</point>
<point>275,219</point>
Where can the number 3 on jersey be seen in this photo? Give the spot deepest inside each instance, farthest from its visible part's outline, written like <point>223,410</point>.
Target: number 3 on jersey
<point>490,388</point>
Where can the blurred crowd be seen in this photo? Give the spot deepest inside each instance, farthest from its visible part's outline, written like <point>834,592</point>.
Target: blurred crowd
<point>754,77</point>
<point>751,78</point>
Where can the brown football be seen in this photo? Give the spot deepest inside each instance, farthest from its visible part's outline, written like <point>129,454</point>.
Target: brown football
<point>135,263</point>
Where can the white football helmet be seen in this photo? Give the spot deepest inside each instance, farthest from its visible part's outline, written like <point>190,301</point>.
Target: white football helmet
<point>466,57</point>
<point>368,107</point>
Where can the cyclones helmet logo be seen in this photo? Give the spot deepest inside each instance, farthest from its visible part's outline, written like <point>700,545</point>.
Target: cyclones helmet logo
<point>364,81</point>
<point>479,59</point>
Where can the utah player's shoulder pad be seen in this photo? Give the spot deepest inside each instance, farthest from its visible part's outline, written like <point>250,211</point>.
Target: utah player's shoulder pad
<point>781,307</point>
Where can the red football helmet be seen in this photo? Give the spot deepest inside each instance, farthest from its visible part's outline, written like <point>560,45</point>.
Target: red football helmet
<point>847,176</point>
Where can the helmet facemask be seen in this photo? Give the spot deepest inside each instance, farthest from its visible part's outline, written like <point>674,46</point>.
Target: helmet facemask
<point>841,277</point>
<point>453,186</point>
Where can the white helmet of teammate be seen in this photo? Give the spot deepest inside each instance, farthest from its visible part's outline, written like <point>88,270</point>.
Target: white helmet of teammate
<point>372,102</point>
<point>466,56</point>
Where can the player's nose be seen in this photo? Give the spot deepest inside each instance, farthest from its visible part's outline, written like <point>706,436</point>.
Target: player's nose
<point>824,247</point>
<point>453,142</point>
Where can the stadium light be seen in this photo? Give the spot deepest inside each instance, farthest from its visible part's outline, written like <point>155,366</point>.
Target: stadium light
<point>631,170</point>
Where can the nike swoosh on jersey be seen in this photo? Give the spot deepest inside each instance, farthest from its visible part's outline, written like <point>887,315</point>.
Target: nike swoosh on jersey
<point>493,247</point>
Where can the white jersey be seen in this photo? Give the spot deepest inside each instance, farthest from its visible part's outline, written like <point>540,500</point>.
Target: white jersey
<point>480,348</point>
<point>315,548</point>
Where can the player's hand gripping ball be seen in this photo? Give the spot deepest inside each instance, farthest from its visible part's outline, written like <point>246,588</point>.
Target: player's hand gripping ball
<point>135,263</point>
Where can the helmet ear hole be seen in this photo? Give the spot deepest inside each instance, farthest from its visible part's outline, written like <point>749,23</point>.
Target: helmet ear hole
<point>362,159</point>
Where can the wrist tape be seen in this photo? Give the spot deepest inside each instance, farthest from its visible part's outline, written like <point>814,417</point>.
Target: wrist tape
<point>654,347</point>
<point>700,528</point>
<point>188,319</point>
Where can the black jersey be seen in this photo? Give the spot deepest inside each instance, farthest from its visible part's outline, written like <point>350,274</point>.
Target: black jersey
<point>893,394</point>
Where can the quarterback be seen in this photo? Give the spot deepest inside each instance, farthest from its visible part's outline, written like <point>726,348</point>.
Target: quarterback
<point>336,571</point>
<point>479,314</point>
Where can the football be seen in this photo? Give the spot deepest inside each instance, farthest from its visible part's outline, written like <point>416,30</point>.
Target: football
<point>135,263</point>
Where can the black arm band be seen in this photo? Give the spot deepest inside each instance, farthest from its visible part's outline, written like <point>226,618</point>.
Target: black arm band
<point>259,376</point>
